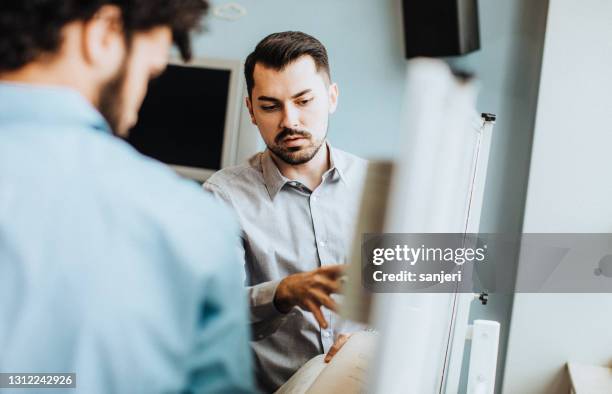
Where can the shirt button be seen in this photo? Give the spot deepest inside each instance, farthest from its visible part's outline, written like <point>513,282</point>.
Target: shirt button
<point>322,244</point>
<point>314,198</point>
<point>326,334</point>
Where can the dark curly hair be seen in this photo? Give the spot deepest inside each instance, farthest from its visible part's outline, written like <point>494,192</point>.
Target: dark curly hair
<point>280,49</point>
<point>30,28</point>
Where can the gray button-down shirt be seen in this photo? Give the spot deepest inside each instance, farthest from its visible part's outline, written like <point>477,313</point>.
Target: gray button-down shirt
<point>288,229</point>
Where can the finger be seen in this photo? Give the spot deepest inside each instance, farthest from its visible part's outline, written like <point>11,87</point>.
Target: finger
<point>332,271</point>
<point>328,285</point>
<point>336,347</point>
<point>332,352</point>
<point>316,311</point>
<point>324,299</point>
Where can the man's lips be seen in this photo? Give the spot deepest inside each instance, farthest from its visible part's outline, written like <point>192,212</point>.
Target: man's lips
<point>294,140</point>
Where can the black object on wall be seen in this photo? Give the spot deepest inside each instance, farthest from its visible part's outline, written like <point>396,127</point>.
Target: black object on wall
<point>182,119</point>
<point>437,28</point>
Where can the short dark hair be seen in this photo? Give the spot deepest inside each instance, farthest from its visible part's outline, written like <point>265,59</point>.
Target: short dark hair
<point>30,28</point>
<point>280,49</point>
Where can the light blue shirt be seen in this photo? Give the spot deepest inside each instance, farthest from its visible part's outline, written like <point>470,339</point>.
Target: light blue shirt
<point>111,266</point>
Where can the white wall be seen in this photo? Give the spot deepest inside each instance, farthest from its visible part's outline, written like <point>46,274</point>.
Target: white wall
<point>570,190</point>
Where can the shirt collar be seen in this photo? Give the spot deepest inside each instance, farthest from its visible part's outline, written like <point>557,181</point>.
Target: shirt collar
<point>48,105</point>
<point>275,181</point>
<point>272,176</point>
<point>337,164</point>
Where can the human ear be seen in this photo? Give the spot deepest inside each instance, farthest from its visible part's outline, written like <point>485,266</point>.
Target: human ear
<point>103,40</point>
<point>249,105</point>
<point>333,97</point>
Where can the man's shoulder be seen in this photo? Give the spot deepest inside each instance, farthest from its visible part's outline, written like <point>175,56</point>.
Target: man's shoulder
<point>140,185</point>
<point>239,177</point>
<point>104,183</point>
<point>351,165</point>
<point>350,158</point>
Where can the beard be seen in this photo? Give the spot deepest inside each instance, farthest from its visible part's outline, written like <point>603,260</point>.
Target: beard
<point>111,100</point>
<point>296,155</point>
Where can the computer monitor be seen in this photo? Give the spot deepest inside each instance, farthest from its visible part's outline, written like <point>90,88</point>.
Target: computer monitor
<point>191,118</point>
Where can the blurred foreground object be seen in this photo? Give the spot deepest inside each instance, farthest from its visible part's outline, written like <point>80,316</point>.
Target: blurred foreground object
<point>436,186</point>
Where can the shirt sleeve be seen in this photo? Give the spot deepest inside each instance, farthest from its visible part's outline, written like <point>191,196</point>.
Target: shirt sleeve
<point>221,361</point>
<point>265,317</point>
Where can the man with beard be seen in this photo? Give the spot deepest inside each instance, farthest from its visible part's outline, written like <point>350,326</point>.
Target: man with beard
<point>111,267</point>
<point>297,203</point>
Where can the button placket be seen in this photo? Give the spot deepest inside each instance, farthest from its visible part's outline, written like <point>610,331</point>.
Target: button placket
<point>319,229</point>
<point>327,339</point>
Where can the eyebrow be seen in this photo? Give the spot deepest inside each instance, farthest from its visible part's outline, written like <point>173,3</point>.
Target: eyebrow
<point>267,98</point>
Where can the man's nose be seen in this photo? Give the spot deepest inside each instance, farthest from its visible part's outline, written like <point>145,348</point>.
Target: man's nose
<point>291,117</point>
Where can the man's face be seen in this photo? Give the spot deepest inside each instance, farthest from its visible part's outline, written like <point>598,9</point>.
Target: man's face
<point>291,108</point>
<point>122,96</point>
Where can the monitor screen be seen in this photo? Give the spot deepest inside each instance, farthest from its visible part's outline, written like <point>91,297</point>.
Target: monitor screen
<point>182,119</point>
